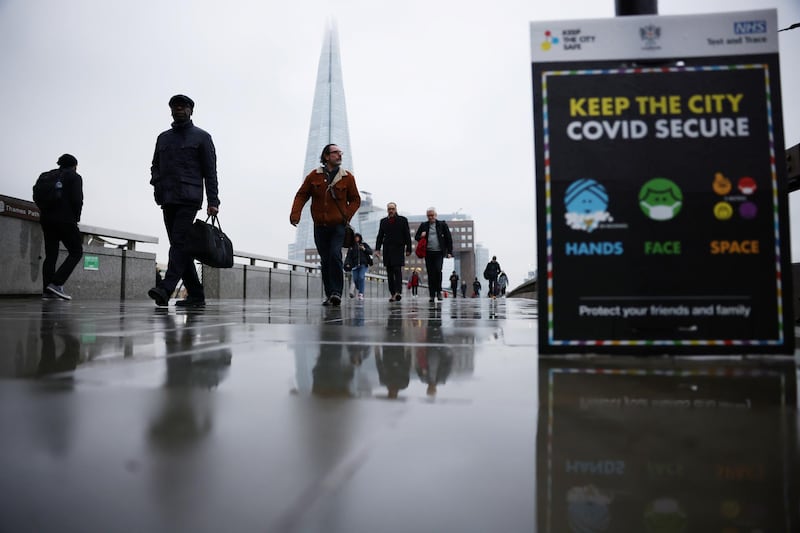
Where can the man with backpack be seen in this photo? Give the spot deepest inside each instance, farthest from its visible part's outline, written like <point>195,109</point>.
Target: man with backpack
<point>59,195</point>
<point>491,272</point>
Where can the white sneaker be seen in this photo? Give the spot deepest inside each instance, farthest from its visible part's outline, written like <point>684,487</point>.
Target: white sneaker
<point>360,296</point>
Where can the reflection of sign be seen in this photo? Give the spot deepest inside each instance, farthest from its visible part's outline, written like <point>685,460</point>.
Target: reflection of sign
<point>668,174</point>
<point>14,207</point>
<point>627,449</point>
<point>91,262</point>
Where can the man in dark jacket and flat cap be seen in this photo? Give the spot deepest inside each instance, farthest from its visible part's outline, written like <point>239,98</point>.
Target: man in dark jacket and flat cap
<point>184,162</point>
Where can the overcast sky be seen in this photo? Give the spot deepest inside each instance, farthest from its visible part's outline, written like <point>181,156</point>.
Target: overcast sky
<point>438,98</point>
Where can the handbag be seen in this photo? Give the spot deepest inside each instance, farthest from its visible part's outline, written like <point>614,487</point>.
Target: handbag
<point>349,233</point>
<point>349,236</point>
<point>422,246</point>
<point>208,244</point>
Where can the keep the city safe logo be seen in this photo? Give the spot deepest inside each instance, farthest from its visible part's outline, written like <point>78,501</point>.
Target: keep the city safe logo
<point>586,202</point>
<point>550,41</point>
<point>660,199</point>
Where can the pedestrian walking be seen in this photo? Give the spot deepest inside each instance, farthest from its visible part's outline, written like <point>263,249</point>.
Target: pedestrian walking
<point>334,200</point>
<point>491,272</point>
<point>58,194</point>
<point>476,288</point>
<point>413,283</point>
<point>358,261</point>
<point>454,284</point>
<point>184,162</point>
<point>440,245</point>
<point>394,238</point>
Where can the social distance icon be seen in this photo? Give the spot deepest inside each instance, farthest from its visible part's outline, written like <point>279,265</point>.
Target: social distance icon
<point>723,211</point>
<point>721,184</point>
<point>747,185</point>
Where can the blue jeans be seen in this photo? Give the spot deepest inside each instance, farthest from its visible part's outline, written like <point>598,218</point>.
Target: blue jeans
<point>328,240</point>
<point>359,275</point>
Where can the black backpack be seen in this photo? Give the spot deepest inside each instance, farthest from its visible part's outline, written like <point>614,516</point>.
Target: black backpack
<point>48,190</point>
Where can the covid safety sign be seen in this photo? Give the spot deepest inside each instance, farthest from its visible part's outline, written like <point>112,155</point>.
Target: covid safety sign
<point>661,186</point>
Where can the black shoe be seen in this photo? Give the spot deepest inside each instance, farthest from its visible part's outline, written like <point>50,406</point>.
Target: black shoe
<point>439,296</point>
<point>335,300</point>
<point>430,300</point>
<point>398,297</point>
<point>191,301</point>
<point>159,295</point>
<point>326,302</point>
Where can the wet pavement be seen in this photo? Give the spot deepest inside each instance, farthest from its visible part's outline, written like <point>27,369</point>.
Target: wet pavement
<point>288,416</point>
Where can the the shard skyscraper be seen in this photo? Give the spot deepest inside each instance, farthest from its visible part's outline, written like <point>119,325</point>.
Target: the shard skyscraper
<point>328,125</point>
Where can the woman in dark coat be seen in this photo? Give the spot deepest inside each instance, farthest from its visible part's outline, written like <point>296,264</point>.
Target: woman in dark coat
<point>394,237</point>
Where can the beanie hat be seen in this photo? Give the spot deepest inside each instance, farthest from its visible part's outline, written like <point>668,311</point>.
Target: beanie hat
<point>67,160</point>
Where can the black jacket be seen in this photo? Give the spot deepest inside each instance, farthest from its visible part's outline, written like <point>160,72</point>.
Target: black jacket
<point>395,238</point>
<point>442,230</point>
<point>68,211</point>
<point>356,256</point>
<point>184,159</point>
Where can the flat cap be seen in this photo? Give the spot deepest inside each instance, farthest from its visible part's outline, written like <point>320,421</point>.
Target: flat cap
<point>181,99</point>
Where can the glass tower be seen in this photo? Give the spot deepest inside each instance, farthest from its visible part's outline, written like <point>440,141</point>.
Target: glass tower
<point>328,125</point>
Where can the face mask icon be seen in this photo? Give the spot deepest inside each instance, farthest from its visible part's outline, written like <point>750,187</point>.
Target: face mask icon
<point>660,199</point>
<point>661,212</point>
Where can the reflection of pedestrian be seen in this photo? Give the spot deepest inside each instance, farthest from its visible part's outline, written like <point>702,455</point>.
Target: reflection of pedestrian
<point>463,288</point>
<point>54,326</point>
<point>440,245</point>
<point>394,368</point>
<point>433,361</point>
<point>395,239</point>
<point>491,272</point>
<point>184,161</point>
<point>358,260</point>
<point>333,372</point>
<point>413,283</point>
<point>454,284</point>
<point>334,201</point>
<point>59,196</point>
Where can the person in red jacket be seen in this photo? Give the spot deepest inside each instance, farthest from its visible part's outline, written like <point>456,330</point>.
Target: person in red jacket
<point>413,283</point>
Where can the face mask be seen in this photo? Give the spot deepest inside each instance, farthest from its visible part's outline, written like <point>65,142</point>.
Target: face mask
<point>662,212</point>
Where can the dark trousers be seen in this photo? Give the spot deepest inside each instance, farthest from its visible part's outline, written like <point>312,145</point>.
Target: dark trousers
<point>328,240</point>
<point>492,286</point>
<point>394,277</point>
<point>55,233</point>
<point>178,220</point>
<point>433,264</point>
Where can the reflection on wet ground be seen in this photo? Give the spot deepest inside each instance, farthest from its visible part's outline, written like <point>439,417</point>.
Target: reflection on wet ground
<point>289,416</point>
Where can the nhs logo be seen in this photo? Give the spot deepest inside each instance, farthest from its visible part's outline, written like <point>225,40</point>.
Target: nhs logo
<point>746,27</point>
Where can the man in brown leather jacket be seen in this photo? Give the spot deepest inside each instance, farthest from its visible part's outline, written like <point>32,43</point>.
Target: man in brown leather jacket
<point>334,200</point>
